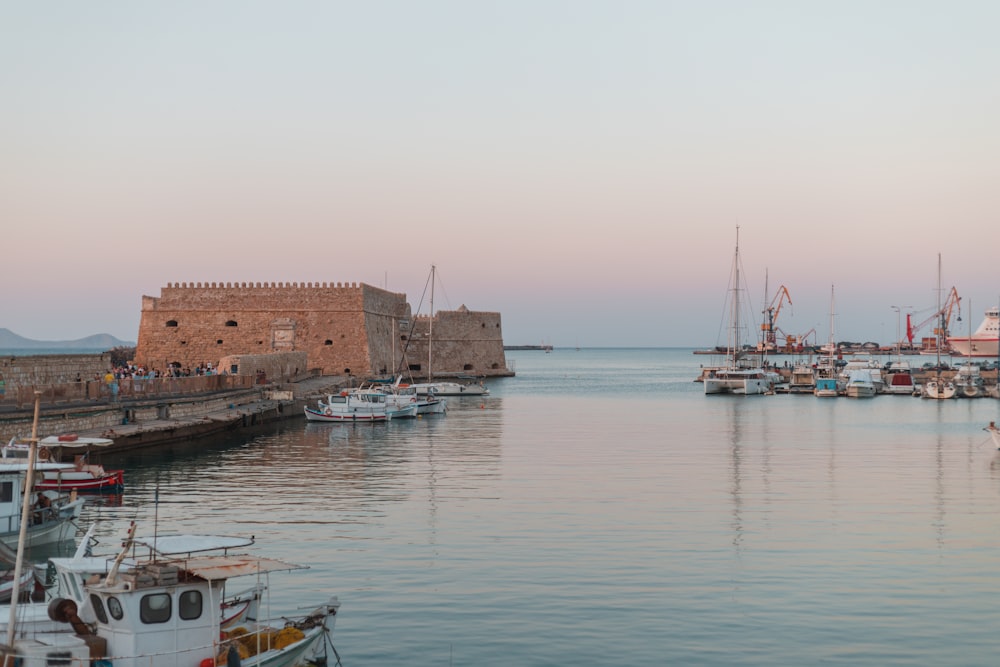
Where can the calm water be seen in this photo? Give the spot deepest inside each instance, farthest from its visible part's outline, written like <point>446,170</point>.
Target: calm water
<point>598,509</point>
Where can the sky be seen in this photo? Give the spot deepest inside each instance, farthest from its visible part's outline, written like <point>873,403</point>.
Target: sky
<point>580,167</point>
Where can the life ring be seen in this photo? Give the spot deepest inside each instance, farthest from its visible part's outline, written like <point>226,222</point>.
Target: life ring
<point>328,412</point>
<point>44,454</point>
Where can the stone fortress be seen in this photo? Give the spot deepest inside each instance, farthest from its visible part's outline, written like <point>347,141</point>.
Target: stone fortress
<point>342,329</point>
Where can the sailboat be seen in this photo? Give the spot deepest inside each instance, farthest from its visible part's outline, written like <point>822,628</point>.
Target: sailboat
<point>739,376</point>
<point>828,383</point>
<point>432,388</point>
<point>939,388</point>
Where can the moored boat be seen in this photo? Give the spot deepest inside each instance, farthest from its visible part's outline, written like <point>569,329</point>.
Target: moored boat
<point>51,514</point>
<point>939,388</point>
<point>450,389</point>
<point>899,379</point>
<point>157,612</point>
<point>358,406</point>
<point>969,382</point>
<point>740,375</point>
<point>84,475</point>
<point>860,384</point>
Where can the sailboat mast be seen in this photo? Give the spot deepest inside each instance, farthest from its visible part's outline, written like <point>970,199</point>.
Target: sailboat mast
<point>29,481</point>
<point>430,331</point>
<point>735,334</point>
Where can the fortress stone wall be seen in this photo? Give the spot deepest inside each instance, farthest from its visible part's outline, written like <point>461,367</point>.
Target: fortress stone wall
<point>49,369</point>
<point>463,342</point>
<point>343,328</point>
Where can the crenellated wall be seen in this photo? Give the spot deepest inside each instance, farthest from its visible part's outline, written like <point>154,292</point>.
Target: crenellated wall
<point>344,328</point>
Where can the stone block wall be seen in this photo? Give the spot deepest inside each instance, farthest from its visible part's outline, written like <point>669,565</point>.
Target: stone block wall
<point>277,367</point>
<point>464,342</point>
<point>341,327</point>
<point>49,369</point>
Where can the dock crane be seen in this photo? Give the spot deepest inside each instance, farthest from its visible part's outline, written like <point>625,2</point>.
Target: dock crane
<point>769,328</point>
<point>943,315</point>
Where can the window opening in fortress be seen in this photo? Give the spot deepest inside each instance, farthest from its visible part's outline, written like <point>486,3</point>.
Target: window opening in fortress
<point>231,323</point>
<point>171,323</point>
<point>218,342</point>
<point>467,367</point>
<point>414,367</point>
<point>328,342</point>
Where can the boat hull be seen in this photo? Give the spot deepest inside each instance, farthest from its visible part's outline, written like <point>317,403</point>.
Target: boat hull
<point>314,415</point>
<point>749,384</point>
<point>113,481</point>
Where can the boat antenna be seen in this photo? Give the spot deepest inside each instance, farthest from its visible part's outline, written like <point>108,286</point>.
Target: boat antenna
<point>29,480</point>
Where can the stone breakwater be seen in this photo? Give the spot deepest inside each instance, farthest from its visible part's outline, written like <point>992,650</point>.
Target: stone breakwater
<point>137,424</point>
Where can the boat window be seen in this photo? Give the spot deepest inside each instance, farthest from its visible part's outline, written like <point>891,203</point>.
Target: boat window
<point>189,605</point>
<point>98,606</point>
<point>115,608</point>
<point>155,608</point>
<point>7,492</point>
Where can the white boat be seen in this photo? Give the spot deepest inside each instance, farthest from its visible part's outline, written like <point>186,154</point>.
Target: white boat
<point>802,379</point>
<point>84,475</point>
<point>860,384</point>
<point>65,577</point>
<point>51,513</point>
<point>939,388</point>
<point>450,389</point>
<point>400,396</point>
<point>983,342</point>
<point>359,406</point>
<point>969,382</point>
<point>899,379</point>
<point>157,612</point>
<point>740,376</point>
<point>994,433</point>
<point>864,363</point>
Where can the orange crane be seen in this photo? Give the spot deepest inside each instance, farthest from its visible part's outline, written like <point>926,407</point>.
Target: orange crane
<point>943,315</point>
<point>769,328</point>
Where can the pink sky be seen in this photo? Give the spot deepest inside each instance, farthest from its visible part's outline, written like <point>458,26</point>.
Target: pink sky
<point>580,168</point>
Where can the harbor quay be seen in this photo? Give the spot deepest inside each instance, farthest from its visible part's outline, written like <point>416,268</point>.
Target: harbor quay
<point>135,423</point>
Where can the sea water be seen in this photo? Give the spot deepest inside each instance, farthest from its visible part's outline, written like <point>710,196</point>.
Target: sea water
<point>599,509</point>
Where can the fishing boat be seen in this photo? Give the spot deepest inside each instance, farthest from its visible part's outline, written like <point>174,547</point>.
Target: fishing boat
<point>84,475</point>
<point>51,514</point>
<point>157,612</point>
<point>399,395</point>
<point>982,343</point>
<point>65,577</point>
<point>358,406</point>
<point>740,375</point>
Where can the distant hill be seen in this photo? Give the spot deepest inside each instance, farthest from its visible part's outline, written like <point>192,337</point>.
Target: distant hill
<point>100,342</point>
